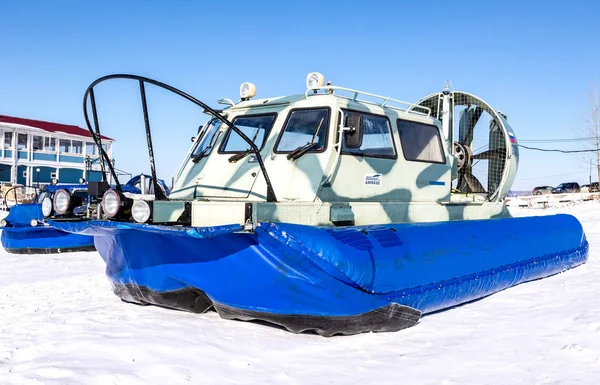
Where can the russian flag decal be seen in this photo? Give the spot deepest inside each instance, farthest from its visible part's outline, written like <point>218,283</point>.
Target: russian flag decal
<point>512,138</point>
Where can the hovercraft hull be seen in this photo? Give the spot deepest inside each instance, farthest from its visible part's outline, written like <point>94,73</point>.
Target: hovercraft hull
<point>19,237</point>
<point>332,280</point>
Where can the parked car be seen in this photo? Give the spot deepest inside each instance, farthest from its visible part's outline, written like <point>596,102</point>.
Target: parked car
<point>542,190</point>
<point>569,187</point>
<point>585,188</point>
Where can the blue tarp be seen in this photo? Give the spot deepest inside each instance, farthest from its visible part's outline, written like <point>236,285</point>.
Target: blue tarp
<point>308,278</point>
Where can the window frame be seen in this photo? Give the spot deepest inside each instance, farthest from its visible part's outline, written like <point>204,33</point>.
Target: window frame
<point>287,119</point>
<point>266,137</point>
<point>33,142</point>
<point>342,143</point>
<point>439,136</point>
<point>60,145</point>
<point>201,138</point>
<point>10,145</point>
<point>26,148</point>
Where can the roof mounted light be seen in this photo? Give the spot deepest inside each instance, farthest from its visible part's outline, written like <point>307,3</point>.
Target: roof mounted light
<point>314,80</point>
<point>247,91</point>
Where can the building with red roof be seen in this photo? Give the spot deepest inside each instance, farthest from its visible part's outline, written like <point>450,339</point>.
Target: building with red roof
<point>33,152</point>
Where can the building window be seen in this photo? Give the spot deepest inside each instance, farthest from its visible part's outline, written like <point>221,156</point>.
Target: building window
<point>91,149</point>
<point>8,139</point>
<point>421,142</point>
<point>21,141</point>
<point>64,145</point>
<point>76,148</point>
<point>49,144</point>
<point>38,143</point>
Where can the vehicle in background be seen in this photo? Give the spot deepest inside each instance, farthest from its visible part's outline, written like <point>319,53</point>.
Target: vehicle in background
<point>569,187</point>
<point>542,190</point>
<point>594,187</point>
<point>585,188</point>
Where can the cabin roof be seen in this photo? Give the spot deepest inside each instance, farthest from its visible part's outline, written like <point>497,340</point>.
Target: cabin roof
<point>49,126</point>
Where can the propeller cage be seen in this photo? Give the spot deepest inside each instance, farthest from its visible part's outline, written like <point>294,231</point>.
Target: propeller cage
<point>487,158</point>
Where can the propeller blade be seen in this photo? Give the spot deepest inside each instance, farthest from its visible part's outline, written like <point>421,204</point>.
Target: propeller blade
<point>473,183</point>
<point>468,119</point>
<point>496,153</point>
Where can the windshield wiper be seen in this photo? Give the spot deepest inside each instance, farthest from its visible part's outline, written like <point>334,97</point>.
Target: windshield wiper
<point>196,158</point>
<point>239,156</point>
<point>297,153</point>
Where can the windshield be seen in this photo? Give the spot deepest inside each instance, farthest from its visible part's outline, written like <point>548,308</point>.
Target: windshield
<point>254,127</point>
<point>208,138</point>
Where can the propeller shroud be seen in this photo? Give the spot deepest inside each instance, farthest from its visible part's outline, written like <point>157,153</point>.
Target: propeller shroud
<point>477,144</point>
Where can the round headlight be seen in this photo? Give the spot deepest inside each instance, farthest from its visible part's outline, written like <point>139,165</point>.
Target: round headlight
<point>62,199</point>
<point>81,180</point>
<point>247,90</point>
<point>34,222</point>
<point>111,201</point>
<point>54,181</point>
<point>3,223</point>
<point>140,211</point>
<point>46,207</point>
<point>315,79</point>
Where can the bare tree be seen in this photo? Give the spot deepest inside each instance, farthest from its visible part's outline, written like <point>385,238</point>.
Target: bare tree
<point>591,129</point>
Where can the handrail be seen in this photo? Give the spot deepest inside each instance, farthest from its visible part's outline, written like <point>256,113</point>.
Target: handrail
<point>141,79</point>
<point>384,99</point>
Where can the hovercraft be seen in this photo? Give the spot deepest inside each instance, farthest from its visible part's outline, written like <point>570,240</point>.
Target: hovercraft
<point>25,229</point>
<point>334,211</point>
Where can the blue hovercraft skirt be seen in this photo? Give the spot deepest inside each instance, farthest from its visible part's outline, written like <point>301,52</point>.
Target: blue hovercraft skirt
<point>331,280</point>
<point>43,240</point>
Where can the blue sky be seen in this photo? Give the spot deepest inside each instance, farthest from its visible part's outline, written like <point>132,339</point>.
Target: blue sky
<point>533,60</point>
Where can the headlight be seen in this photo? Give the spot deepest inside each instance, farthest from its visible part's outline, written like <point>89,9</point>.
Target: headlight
<point>111,201</point>
<point>46,207</point>
<point>62,200</point>
<point>81,180</point>
<point>141,211</point>
<point>3,223</point>
<point>34,222</point>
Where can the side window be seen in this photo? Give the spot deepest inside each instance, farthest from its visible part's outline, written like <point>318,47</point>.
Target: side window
<point>207,141</point>
<point>377,139</point>
<point>421,142</point>
<point>255,127</point>
<point>304,127</point>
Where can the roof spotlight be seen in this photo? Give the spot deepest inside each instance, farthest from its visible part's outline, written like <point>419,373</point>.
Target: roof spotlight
<point>247,91</point>
<point>314,80</point>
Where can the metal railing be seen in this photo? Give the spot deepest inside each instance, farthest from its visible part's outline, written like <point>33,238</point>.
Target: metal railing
<point>384,99</point>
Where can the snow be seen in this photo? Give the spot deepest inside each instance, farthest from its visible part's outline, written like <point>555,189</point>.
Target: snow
<point>60,323</point>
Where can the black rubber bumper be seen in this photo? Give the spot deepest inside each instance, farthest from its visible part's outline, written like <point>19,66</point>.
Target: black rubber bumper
<point>28,250</point>
<point>390,318</point>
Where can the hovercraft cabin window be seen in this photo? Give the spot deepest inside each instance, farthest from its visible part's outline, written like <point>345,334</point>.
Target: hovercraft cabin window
<point>421,142</point>
<point>208,139</point>
<point>255,127</point>
<point>377,141</point>
<point>304,127</point>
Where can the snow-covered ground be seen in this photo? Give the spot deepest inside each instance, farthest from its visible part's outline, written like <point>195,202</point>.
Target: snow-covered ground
<point>61,324</point>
